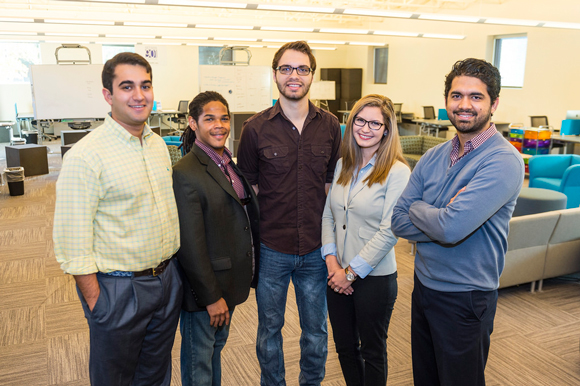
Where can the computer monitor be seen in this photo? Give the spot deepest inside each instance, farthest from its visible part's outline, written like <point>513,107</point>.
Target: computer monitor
<point>573,114</point>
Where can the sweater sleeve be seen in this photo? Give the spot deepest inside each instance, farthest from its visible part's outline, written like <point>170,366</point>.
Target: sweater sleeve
<point>495,182</point>
<point>401,223</point>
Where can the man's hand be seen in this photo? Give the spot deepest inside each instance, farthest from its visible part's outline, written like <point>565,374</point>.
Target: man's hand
<point>454,197</point>
<point>218,313</point>
<point>89,287</point>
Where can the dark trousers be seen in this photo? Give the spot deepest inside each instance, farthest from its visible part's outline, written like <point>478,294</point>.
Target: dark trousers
<point>450,335</point>
<point>132,328</point>
<point>359,325</point>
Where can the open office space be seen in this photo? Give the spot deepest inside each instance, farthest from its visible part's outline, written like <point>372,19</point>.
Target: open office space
<point>43,333</point>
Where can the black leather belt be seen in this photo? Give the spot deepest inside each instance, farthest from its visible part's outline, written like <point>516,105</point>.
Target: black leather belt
<point>153,271</point>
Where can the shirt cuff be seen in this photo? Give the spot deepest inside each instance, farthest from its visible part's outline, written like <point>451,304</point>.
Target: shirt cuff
<point>360,266</point>
<point>328,249</point>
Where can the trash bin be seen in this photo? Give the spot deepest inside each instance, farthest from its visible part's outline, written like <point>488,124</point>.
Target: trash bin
<point>15,179</point>
<point>30,136</point>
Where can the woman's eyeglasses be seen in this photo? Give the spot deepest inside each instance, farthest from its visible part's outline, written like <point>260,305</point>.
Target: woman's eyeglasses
<point>373,125</point>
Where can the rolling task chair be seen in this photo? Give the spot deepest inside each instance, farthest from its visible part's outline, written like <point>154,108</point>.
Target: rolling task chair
<point>429,112</point>
<point>181,117</point>
<point>539,120</point>
<point>398,107</point>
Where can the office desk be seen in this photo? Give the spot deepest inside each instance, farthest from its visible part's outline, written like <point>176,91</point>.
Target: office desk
<point>568,140</point>
<point>345,114</point>
<point>160,114</point>
<point>425,125</point>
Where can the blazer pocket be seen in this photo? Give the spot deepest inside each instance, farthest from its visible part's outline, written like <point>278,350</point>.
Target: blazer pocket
<point>366,233</point>
<point>221,263</point>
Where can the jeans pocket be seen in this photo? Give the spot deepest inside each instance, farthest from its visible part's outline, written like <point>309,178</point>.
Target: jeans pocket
<point>481,303</point>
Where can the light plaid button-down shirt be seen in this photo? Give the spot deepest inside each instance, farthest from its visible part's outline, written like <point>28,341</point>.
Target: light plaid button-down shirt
<point>115,208</point>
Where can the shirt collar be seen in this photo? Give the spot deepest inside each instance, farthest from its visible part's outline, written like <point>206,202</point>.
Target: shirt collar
<point>479,139</point>
<point>225,159</point>
<point>122,133</point>
<point>277,109</point>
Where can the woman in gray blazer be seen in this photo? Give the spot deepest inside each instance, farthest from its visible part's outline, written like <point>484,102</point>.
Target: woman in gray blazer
<point>357,241</point>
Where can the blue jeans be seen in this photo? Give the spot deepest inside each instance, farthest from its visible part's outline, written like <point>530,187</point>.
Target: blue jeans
<point>201,347</point>
<point>308,273</point>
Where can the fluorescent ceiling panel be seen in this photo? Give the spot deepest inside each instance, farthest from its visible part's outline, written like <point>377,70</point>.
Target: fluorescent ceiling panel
<point>16,19</point>
<point>237,39</point>
<point>553,24</point>
<point>443,36</point>
<point>224,26</point>
<point>373,12</point>
<point>143,24</point>
<point>344,31</point>
<point>519,22</point>
<point>287,29</point>
<point>18,33</point>
<point>293,8</point>
<point>209,4</point>
<point>131,36</point>
<point>70,34</point>
<point>185,37</point>
<point>60,21</point>
<point>437,17</point>
<point>324,42</point>
<point>366,44</point>
<point>396,33</point>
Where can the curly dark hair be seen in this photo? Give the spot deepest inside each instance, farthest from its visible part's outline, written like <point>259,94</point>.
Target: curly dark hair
<point>108,73</point>
<point>479,69</point>
<point>195,110</point>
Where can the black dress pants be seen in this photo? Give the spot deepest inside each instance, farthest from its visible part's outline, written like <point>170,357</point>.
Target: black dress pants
<point>450,335</point>
<point>359,324</point>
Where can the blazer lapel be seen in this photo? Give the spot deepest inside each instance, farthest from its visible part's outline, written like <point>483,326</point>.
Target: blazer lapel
<point>216,173</point>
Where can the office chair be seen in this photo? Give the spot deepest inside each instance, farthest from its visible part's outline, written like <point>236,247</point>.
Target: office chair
<point>429,112</point>
<point>539,120</point>
<point>398,107</point>
<point>180,117</point>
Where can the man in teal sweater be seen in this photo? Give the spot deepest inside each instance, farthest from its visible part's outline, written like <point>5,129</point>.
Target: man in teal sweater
<point>457,207</point>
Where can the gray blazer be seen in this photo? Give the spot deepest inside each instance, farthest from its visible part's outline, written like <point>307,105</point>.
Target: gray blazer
<point>361,225</point>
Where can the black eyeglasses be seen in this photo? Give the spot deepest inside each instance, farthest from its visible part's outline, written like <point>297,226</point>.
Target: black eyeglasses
<point>373,125</point>
<point>287,70</point>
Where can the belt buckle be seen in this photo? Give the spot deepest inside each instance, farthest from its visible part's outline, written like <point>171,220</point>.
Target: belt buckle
<point>155,271</point>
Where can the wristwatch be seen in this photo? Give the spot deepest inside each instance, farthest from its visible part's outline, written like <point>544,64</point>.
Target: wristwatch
<point>350,276</point>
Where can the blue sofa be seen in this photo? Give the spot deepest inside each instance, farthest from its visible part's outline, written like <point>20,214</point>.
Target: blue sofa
<point>560,172</point>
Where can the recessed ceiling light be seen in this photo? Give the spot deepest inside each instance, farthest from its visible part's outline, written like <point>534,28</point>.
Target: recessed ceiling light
<point>366,44</point>
<point>224,26</point>
<point>209,4</point>
<point>293,8</point>
<point>373,12</point>
<point>344,31</point>
<point>70,34</point>
<point>143,24</point>
<point>185,37</point>
<point>396,33</point>
<point>18,33</point>
<point>16,20</point>
<point>553,24</point>
<point>460,18</point>
<point>520,22</point>
<point>131,36</point>
<point>237,39</point>
<point>288,29</point>
<point>443,36</point>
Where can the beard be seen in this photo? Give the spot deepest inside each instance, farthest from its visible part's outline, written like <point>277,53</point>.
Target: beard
<point>479,123</point>
<point>293,95</point>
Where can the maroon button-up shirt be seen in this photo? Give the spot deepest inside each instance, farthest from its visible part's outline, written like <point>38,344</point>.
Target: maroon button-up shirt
<point>290,170</point>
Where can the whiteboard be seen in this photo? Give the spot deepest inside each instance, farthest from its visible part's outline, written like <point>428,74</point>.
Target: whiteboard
<point>324,89</point>
<point>246,88</point>
<point>68,91</point>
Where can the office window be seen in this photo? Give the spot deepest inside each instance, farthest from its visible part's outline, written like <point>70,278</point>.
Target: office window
<point>211,55</point>
<point>380,65</point>
<point>509,56</point>
<point>110,50</point>
<point>15,61</point>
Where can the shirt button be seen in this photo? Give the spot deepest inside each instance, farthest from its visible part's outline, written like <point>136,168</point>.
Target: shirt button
<point>275,154</point>
<point>344,226</point>
<point>246,228</point>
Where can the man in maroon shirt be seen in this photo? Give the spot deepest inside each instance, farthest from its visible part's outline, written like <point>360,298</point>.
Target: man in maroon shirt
<point>288,153</point>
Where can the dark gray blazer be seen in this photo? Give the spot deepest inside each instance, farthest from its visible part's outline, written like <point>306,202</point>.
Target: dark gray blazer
<point>216,233</point>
